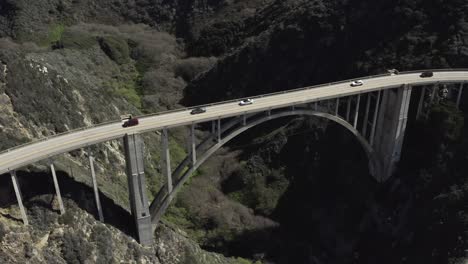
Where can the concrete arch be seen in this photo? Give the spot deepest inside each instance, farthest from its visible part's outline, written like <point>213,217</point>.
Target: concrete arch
<point>157,211</point>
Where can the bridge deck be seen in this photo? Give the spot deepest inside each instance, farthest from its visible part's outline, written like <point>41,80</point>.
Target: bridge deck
<point>30,153</point>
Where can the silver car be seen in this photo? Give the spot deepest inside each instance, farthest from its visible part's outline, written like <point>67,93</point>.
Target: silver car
<point>246,102</point>
<point>357,83</point>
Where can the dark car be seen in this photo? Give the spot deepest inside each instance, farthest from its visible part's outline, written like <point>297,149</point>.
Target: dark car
<point>198,110</point>
<point>426,74</point>
<point>131,122</point>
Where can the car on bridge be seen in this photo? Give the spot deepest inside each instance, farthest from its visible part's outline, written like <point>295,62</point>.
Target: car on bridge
<point>357,83</point>
<point>125,117</point>
<point>393,71</point>
<point>426,74</point>
<point>198,110</point>
<point>246,102</point>
<point>133,121</point>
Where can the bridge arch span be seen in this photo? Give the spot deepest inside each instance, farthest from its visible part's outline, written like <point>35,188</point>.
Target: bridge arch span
<point>162,201</point>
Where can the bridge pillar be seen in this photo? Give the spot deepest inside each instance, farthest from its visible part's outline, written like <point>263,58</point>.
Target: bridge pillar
<point>219,130</point>
<point>137,188</point>
<point>95,186</point>
<point>356,113</point>
<point>57,188</point>
<point>19,197</point>
<point>460,90</point>
<point>337,106</point>
<point>365,124</point>
<point>167,159</point>
<point>348,108</point>
<point>192,145</point>
<point>421,102</point>
<point>390,131</point>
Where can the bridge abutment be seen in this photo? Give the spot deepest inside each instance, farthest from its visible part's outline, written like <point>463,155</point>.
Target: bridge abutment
<point>390,130</point>
<point>137,188</point>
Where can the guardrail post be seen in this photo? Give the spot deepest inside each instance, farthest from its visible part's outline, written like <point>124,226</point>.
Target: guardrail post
<point>95,186</point>
<point>460,89</point>
<point>167,159</point>
<point>19,198</point>
<point>316,106</point>
<point>356,113</point>
<point>57,188</point>
<point>244,120</point>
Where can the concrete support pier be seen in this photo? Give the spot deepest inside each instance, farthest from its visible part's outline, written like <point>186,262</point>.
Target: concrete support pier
<point>390,130</point>
<point>356,113</point>
<point>57,188</point>
<point>137,188</point>
<point>19,197</point>
<point>219,130</point>
<point>460,90</point>
<point>166,155</point>
<point>193,145</point>
<point>95,187</point>
<point>365,124</point>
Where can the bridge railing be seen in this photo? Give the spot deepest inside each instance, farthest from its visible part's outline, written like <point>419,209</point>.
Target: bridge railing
<point>296,90</point>
<point>227,101</point>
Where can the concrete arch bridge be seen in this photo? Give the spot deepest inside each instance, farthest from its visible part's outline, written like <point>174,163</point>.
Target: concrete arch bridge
<point>375,112</point>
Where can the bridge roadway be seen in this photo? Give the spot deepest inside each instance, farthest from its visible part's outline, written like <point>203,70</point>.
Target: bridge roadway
<point>36,151</point>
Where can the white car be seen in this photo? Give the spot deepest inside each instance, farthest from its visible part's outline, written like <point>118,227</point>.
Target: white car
<point>246,102</point>
<point>357,83</point>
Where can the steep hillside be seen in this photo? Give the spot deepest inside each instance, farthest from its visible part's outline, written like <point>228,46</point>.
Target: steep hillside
<point>326,207</point>
<point>292,44</point>
<point>290,191</point>
<point>77,237</point>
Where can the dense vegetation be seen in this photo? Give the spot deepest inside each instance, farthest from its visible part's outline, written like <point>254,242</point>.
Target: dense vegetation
<point>289,191</point>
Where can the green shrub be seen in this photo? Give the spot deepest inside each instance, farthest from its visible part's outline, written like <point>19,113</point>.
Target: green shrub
<point>130,95</point>
<point>149,48</point>
<point>73,39</point>
<point>75,249</point>
<point>67,218</point>
<point>178,152</point>
<point>102,237</point>
<point>189,68</point>
<point>55,33</point>
<point>240,260</point>
<point>127,90</point>
<point>177,216</point>
<point>116,48</point>
<point>3,231</point>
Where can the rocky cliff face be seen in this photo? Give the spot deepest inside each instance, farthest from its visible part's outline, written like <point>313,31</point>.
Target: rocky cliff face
<point>76,237</point>
<point>71,77</point>
<point>77,63</point>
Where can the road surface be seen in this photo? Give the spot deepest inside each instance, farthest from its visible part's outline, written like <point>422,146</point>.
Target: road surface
<point>36,151</point>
